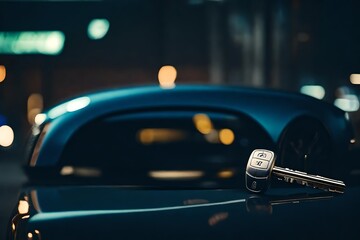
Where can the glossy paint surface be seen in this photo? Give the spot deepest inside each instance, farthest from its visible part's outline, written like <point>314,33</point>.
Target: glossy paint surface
<point>118,212</point>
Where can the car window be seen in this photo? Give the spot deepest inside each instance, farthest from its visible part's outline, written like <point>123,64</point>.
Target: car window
<point>170,140</point>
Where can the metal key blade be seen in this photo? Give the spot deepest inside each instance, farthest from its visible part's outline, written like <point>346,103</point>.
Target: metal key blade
<point>260,167</point>
<point>314,181</point>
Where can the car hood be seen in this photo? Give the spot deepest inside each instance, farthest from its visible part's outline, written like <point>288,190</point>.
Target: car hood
<point>118,212</point>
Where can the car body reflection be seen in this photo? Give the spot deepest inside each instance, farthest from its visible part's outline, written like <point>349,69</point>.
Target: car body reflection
<point>89,212</point>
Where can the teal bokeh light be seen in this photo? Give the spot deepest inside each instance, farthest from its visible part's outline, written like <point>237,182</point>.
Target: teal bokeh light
<point>98,28</point>
<point>32,42</point>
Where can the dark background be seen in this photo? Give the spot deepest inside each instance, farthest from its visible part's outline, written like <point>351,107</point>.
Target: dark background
<point>277,44</point>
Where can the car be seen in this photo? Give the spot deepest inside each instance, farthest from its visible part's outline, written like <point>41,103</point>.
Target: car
<point>148,162</point>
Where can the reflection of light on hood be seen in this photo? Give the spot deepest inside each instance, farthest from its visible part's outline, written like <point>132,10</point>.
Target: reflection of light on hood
<point>176,175</point>
<point>226,173</point>
<point>218,217</point>
<point>46,216</point>
<point>70,106</point>
<point>80,171</point>
<point>195,201</point>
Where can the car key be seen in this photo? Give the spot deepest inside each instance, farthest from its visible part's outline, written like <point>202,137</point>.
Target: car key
<point>260,167</point>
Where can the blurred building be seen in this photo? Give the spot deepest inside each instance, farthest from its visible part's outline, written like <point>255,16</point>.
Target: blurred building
<point>50,50</point>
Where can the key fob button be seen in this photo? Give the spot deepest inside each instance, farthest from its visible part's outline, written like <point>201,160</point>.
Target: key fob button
<point>258,163</point>
<point>263,154</point>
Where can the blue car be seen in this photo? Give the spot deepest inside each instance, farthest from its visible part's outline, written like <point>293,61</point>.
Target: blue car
<point>147,162</point>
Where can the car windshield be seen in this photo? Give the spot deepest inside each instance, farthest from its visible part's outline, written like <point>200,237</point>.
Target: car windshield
<point>161,142</point>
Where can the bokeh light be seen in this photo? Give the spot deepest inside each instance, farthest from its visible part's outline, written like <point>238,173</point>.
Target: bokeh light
<point>35,106</point>
<point>32,42</point>
<point>315,91</point>
<point>167,76</point>
<point>203,123</point>
<point>348,103</point>
<point>40,118</point>
<point>6,136</point>
<point>98,28</point>
<point>226,136</point>
<point>2,73</point>
<point>23,207</point>
<point>355,78</point>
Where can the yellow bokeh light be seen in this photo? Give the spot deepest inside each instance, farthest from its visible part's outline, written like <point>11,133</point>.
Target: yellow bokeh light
<point>159,135</point>
<point>167,76</point>
<point>2,73</point>
<point>23,207</point>
<point>355,78</point>
<point>167,175</point>
<point>226,136</point>
<point>226,174</point>
<point>203,123</point>
<point>35,100</point>
<point>32,114</point>
<point>6,136</point>
<point>30,235</point>
<point>146,136</point>
<point>34,105</point>
<point>40,118</point>
<point>67,170</point>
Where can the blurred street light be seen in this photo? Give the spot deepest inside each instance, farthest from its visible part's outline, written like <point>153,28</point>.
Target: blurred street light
<point>2,73</point>
<point>355,78</point>
<point>40,42</point>
<point>98,28</point>
<point>167,76</point>
<point>348,103</point>
<point>6,136</point>
<point>315,91</point>
<point>34,106</point>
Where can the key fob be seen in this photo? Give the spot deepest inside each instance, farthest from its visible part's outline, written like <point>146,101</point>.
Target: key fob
<point>258,170</point>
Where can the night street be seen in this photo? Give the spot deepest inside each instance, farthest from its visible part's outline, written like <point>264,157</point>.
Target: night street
<point>179,119</point>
